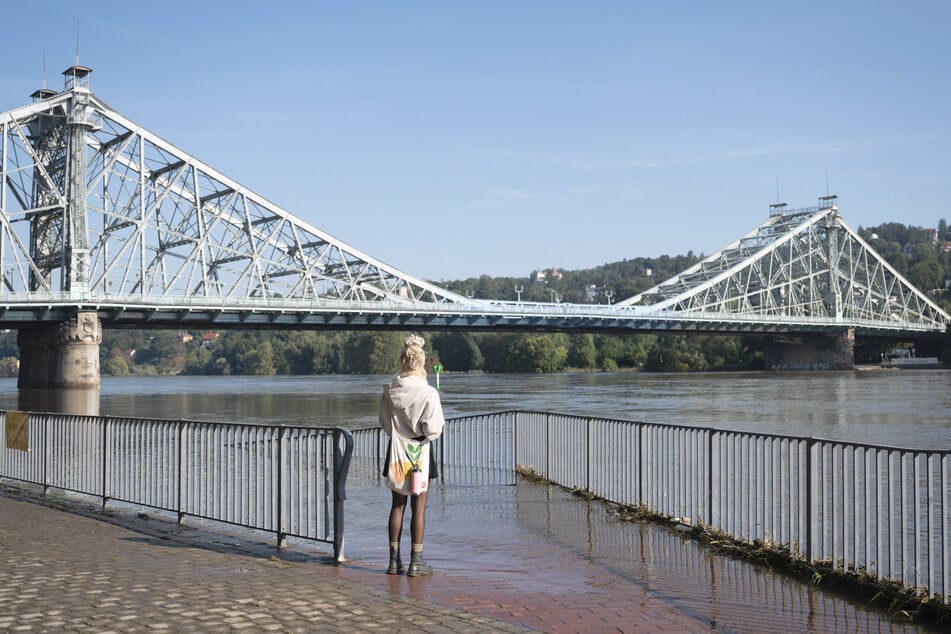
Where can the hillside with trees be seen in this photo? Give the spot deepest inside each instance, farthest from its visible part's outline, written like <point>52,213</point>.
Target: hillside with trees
<point>921,255</point>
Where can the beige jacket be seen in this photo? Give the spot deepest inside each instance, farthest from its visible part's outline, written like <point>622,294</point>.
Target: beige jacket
<point>411,407</point>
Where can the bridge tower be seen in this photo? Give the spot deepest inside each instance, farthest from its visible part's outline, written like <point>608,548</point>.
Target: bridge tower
<point>832,351</point>
<point>64,355</point>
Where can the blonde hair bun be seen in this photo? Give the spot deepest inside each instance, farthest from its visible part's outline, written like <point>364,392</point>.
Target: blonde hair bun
<point>414,341</point>
<point>413,358</point>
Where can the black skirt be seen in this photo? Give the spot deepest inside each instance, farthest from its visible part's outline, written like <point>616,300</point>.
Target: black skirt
<point>433,465</point>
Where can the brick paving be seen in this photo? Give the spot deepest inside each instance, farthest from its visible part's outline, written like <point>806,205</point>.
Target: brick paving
<point>68,567</point>
<point>509,559</point>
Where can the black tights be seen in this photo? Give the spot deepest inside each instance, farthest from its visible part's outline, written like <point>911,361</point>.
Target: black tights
<point>417,524</point>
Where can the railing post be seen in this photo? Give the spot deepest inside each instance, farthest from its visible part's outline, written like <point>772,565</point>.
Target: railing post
<point>442,457</point>
<point>548,446</point>
<point>377,438</point>
<point>810,475</point>
<point>179,473</point>
<point>709,518</point>
<point>279,520</point>
<point>47,449</point>
<point>945,527</point>
<point>587,454</point>
<point>515,446</point>
<point>105,462</point>
<point>640,463</point>
<point>341,468</point>
<point>906,515</point>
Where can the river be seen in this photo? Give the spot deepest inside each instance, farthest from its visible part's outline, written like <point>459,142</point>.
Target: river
<point>905,408</point>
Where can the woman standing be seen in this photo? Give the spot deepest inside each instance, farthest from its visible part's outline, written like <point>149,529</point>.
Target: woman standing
<point>411,415</point>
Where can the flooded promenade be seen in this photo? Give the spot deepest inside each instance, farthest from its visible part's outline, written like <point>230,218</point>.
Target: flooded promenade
<point>520,558</point>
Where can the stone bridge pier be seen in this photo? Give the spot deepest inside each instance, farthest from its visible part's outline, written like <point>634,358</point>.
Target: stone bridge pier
<point>64,355</point>
<point>834,351</point>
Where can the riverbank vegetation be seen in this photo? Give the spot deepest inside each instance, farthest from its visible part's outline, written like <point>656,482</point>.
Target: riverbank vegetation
<point>308,352</point>
<point>923,256</point>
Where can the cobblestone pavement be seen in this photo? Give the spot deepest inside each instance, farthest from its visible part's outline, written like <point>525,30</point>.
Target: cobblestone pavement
<point>507,559</point>
<point>69,567</point>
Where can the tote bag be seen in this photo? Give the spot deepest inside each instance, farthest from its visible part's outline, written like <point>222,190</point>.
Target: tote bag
<point>405,457</point>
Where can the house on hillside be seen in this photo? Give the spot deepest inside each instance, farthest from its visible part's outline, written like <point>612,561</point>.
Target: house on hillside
<point>542,276</point>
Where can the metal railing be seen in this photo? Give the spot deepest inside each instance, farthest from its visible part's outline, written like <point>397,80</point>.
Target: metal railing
<point>863,509</point>
<point>286,480</point>
<point>280,312</point>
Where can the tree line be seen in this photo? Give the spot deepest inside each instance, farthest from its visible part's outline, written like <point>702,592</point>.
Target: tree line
<point>346,352</point>
<point>914,252</point>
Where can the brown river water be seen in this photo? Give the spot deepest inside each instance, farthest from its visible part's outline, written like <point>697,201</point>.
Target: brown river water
<point>905,408</point>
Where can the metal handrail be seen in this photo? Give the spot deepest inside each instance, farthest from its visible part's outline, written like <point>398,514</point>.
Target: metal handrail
<point>639,317</point>
<point>290,481</point>
<point>862,509</point>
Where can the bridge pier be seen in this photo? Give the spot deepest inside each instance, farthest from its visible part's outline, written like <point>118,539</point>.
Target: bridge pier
<point>834,351</point>
<point>65,355</point>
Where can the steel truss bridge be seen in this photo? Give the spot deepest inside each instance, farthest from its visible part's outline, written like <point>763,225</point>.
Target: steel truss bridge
<point>98,214</point>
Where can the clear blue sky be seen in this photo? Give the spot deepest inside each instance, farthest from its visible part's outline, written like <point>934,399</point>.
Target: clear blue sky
<point>453,139</point>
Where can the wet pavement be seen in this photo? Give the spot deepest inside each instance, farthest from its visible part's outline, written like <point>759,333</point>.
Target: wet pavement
<point>508,559</point>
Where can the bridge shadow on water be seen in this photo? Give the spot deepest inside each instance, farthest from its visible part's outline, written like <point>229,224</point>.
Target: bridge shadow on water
<point>532,540</point>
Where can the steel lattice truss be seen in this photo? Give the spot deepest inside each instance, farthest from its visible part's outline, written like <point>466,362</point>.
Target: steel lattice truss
<point>158,223</point>
<point>804,263</point>
<point>97,213</point>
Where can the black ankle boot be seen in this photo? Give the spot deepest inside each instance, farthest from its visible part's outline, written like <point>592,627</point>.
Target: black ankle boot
<point>396,564</point>
<point>417,566</point>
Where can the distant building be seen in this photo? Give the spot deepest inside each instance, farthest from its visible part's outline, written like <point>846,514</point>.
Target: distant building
<point>542,276</point>
<point>208,337</point>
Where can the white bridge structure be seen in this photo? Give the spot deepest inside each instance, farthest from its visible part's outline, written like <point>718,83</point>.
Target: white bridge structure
<point>105,224</point>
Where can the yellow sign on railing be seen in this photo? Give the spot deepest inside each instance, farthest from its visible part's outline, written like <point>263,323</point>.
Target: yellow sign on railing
<point>17,430</point>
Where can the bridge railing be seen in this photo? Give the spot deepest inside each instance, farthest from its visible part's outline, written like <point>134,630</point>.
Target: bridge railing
<point>284,480</point>
<point>867,510</point>
<point>21,307</point>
